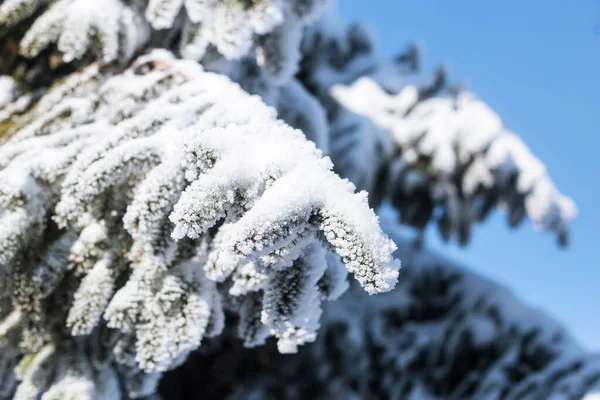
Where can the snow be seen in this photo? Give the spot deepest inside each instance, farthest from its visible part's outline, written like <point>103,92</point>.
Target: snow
<point>157,156</point>
<point>455,132</point>
<point>145,199</point>
<point>7,89</point>
<point>73,24</point>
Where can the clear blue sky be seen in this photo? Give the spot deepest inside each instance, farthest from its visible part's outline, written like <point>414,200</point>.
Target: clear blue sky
<point>537,63</point>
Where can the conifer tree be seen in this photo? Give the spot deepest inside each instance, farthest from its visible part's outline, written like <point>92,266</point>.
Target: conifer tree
<point>188,188</point>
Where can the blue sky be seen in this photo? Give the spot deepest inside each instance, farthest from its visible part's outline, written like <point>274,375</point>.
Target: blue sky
<point>537,63</point>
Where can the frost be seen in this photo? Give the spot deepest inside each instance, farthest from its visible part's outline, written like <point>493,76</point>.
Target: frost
<point>163,192</point>
<point>444,332</point>
<point>14,11</point>
<point>8,87</point>
<point>160,214</point>
<point>77,26</point>
<point>461,138</point>
<point>272,28</point>
<point>269,31</point>
<point>434,150</point>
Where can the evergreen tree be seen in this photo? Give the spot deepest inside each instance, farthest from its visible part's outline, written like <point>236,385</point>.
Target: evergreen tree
<point>183,195</point>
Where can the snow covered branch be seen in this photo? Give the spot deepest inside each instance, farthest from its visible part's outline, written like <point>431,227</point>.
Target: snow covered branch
<point>443,333</point>
<point>435,151</point>
<point>180,197</point>
<point>267,31</point>
<point>456,149</point>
